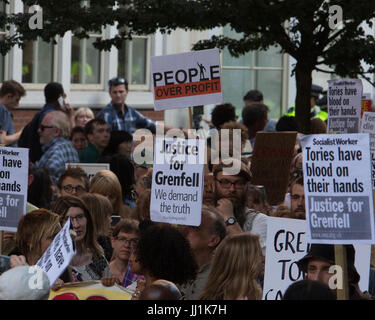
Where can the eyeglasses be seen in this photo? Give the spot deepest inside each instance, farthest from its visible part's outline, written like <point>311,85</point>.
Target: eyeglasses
<point>132,242</point>
<point>117,81</point>
<point>78,190</point>
<point>42,127</point>
<point>226,184</point>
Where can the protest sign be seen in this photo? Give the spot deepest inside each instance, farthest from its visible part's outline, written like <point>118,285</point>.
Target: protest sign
<point>58,255</point>
<point>344,101</point>
<point>366,103</point>
<point>368,126</point>
<point>286,244</point>
<point>90,290</point>
<point>338,188</point>
<point>270,163</point>
<point>177,180</point>
<point>90,168</point>
<point>14,167</point>
<point>186,79</point>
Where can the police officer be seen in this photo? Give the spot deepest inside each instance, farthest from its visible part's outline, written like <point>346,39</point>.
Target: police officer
<point>316,112</point>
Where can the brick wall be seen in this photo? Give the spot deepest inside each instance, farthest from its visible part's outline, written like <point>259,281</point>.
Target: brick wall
<point>23,116</point>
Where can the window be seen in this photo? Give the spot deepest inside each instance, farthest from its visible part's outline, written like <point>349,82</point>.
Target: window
<point>261,70</point>
<point>133,62</point>
<point>38,61</point>
<point>86,65</point>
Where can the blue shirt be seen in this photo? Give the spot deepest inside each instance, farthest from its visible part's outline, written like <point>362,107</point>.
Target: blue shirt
<point>130,121</point>
<point>55,154</point>
<point>6,122</point>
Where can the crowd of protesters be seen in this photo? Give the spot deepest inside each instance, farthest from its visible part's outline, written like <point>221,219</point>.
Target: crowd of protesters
<point>116,241</point>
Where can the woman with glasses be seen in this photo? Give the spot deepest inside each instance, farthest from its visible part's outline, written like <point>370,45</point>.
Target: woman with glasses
<point>89,263</point>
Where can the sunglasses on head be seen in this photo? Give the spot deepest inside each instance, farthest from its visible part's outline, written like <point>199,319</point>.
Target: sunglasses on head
<point>116,81</point>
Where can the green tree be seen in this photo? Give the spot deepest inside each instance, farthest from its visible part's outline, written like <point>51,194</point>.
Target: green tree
<point>300,28</point>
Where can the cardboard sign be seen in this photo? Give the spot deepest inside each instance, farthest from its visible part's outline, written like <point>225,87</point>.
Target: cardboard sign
<point>270,163</point>
<point>368,126</point>
<point>186,79</point>
<point>90,290</point>
<point>14,167</point>
<point>344,101</point>
<point>338,188</point>
<point>286,244</point>
<point>58,255</point>
<point>177,181</point>
<point>90,168</point>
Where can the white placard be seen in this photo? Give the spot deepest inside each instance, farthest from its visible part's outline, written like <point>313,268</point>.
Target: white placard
<point>286,244</point>
<point>177,181</point>
<point>368,126</point>
<point>90,168</point>
<point>186,79</point>
<point>344,103</point>
<point>338,188</point>
<point>58,255</point>
<point>14,172</point>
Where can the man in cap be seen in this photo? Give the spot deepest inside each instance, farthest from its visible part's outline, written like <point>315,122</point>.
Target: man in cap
<point>317,262</point>
<point>316,112</point>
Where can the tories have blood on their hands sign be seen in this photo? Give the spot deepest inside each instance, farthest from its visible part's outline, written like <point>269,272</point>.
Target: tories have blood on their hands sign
<point>186,79</point>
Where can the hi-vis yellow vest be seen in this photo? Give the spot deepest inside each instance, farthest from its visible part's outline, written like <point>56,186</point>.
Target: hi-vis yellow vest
<point>316,113</point>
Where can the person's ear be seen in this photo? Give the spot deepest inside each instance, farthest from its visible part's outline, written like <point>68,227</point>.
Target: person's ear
<point>214,241</point>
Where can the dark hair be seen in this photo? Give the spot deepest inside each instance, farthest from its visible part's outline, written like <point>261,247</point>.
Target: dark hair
<point>253,96</point>
<point>218,226</point>
<point>126,226</point>
<point>117,137</point>
<point>89,127</point>
<point>166,254</point>
<point>254,112</point>
<point>286,123</point>
<point>75,173</point>
<point>12,87</point>
<point>40,192</point>
<point>308,290</point>
<point>76,129</point>
<point>61,207</point>
<point>117,81</point>
<point>52,91</point>
<point>223,113</point>
<point>123,168</point>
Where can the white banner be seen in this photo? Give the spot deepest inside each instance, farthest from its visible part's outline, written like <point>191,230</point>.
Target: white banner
<point>344,103</point>
<point>286,244</point>
<point>338,188</point>
<point>177,181</point>
<point>58,255</point>
<point>14,173</point>
<point>186,79</point>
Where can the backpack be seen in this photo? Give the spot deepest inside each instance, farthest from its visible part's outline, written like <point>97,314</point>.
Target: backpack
<point>30,139</point>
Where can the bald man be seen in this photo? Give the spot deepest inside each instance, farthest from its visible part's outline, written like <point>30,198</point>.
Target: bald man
<point>161,290</point>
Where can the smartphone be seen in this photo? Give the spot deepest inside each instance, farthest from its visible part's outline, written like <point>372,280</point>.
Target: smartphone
<point>61,103</point>
<point>115,220</point>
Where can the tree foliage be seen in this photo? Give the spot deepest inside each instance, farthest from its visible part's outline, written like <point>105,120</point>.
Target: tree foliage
<point>299,28</point>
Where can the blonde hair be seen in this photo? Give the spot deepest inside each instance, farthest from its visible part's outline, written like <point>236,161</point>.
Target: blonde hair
<point>106,183</point>
<point>235,269</point>
<point>100,209</point>
<point>34,227</point>
<point>83,109</point>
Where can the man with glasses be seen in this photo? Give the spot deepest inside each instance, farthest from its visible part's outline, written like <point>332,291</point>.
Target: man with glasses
<point>73,182</point>
<point>230,197</point>
<point>57,150</point>
<point>124,240</point>
<point>119,115</point>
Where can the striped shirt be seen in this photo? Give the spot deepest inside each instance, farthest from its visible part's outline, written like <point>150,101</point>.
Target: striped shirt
<point>55,154</point>
<point>130,121</point>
